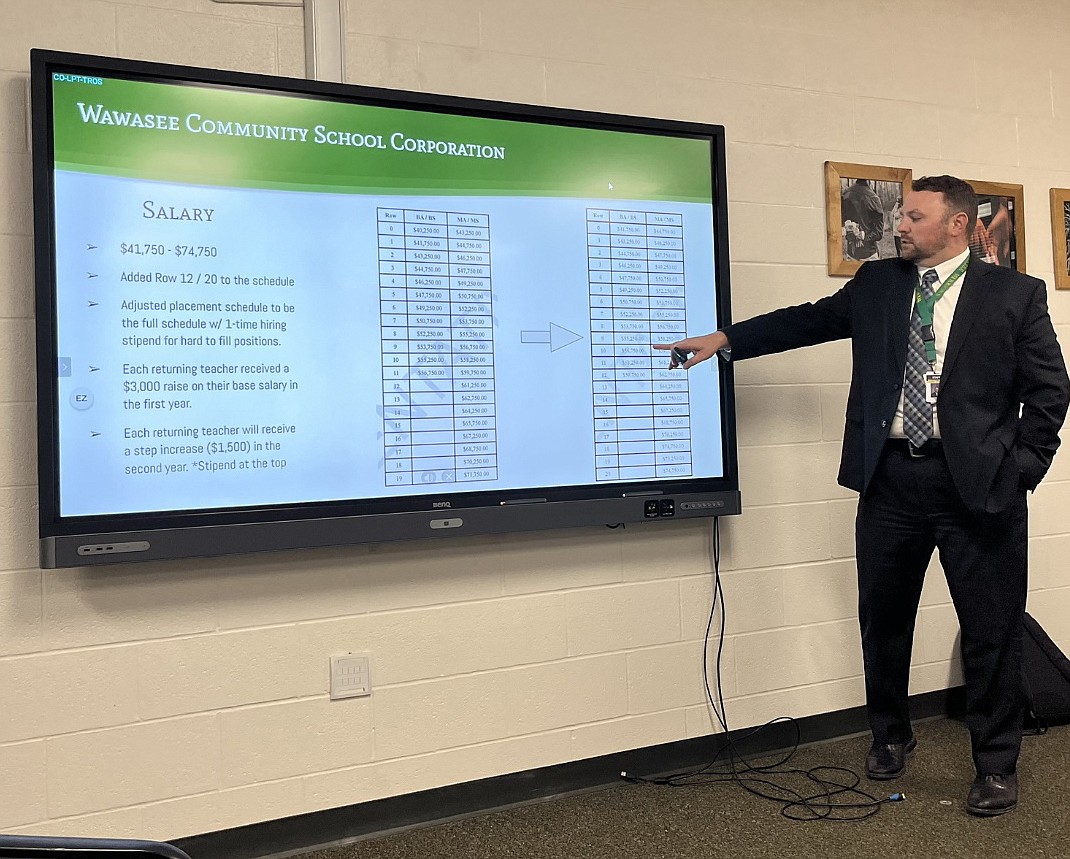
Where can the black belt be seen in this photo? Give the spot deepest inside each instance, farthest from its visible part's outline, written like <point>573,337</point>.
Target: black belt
<point>932,447</point>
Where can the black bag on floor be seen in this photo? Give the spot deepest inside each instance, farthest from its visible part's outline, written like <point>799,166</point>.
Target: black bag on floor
<point>1045,680</point>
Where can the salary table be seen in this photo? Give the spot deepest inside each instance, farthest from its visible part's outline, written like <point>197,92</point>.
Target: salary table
<point>438,349</point>
<point>636,282</point>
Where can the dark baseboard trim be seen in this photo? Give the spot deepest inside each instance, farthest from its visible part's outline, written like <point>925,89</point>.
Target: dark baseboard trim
<point>308,832</point>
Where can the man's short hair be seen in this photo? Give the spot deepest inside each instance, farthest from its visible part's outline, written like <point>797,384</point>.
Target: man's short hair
<point>958,194</point>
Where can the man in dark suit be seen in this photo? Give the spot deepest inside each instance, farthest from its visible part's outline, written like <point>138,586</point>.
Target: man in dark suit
<point>957,395</point>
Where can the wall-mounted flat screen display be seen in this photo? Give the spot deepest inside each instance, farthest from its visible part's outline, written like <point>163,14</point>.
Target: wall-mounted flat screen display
<point>276,313</point>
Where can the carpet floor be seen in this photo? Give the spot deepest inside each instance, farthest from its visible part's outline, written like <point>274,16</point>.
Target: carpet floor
<point>722,820</point>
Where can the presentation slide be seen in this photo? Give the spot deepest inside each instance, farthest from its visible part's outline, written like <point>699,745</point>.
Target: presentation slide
<point>265,299</point>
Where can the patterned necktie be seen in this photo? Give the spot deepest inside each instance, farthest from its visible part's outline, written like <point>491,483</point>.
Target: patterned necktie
<point>917,413</point>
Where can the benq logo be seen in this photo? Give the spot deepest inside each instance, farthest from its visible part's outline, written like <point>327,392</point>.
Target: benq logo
<point>437,504</point>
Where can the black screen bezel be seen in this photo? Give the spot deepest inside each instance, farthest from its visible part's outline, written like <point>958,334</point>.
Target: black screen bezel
<point>353,519</point>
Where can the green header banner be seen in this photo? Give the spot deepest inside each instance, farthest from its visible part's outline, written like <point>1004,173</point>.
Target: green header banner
<point>215,135</point>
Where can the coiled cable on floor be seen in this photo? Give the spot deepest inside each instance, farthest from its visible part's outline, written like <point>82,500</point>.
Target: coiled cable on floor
<point>819,793</point>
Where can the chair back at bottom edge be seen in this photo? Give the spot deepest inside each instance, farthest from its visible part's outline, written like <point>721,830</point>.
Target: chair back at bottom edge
<point>44,846</point>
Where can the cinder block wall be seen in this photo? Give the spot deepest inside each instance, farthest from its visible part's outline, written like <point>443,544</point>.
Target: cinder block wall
<point>178,698</point>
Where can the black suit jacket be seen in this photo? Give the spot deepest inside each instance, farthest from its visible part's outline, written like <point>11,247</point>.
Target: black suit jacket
<point>1003,388</point>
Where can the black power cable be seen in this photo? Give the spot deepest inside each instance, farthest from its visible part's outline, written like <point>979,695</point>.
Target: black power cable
<point>822,792</point>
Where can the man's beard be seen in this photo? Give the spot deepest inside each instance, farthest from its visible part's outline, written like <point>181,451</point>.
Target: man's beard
<point>914,252</point>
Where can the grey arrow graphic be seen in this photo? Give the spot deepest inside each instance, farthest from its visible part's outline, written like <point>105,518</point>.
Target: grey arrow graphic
<point>558,337</point>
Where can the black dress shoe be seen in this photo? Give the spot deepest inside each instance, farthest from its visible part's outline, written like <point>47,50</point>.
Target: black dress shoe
<point>992,795</point>
<point>888,760</point>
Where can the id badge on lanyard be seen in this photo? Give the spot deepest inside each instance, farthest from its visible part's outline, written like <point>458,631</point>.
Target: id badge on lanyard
<point>925,313</point>
<point>932,386</point>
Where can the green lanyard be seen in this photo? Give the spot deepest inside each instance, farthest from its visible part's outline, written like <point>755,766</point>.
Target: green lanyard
<point>925,308</point>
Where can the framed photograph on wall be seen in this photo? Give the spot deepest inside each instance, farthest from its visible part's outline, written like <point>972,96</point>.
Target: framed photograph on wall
<point>863,208</point>
<point>1060,235</point>
<point>999,236</point>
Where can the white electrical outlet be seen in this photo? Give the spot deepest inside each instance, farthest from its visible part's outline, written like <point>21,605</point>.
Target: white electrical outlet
<point>351,675</point>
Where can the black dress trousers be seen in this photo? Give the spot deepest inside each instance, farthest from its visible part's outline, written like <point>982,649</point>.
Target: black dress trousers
<point>911,507</point>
